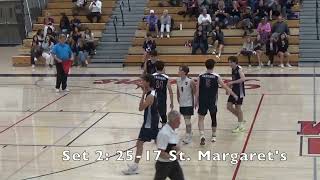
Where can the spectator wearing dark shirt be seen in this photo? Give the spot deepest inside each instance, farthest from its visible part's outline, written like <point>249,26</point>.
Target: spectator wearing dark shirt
<point>218,38</point>
<point>259,13</point>
<point>246,21</point>
<point>220,15</point>
<point>283,45</point>
<point>64,24</point>
<point>191,8</point>
<point>75,22</point>
<point>200,41</point>
<point>280,27</point>
<point>152,23</point>
<point>271,50</point>
<point>148,46</point>
<point>150,65</point>
<point>234,15</point>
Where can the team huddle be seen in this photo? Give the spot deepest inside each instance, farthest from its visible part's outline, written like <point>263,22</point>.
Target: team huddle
<point>200,95</point>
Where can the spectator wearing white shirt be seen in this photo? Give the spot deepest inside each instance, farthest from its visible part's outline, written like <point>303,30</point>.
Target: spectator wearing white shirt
<point>95,10</point>
<point>205,20</point>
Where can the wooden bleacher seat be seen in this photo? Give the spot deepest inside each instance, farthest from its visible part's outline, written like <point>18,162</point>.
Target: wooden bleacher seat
<point>83,19</point>
<point>69,5</point>
<point>95,26</point>
<point>68,12</point>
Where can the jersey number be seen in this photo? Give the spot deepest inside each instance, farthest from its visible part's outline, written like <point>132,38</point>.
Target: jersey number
<point>208,83</point>
<point>159,84</point>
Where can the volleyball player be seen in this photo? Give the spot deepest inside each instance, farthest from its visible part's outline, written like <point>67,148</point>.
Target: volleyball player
<point>237,85</point>
<point>149,129</point>
<point>186,89</point>
<point>207,96</point>
<point>149,66</point>
<point>162,83</point>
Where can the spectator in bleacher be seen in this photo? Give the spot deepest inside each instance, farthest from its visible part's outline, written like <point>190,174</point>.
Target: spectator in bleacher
<point>95,10</point>
<point>264,30</point>
<point>148,46</point>
<point>64,25</point>
<point>259,12</point>
<point>280,27</point>
<point>242,4</point>
<point>247,49</point>
<point>271,50</point>
<point>234,15</point>
<point>40,36</point>
<point>283,45</point>
<point>83,54</point>
<point>76,35</point>
<point>165,23</point>
<point>78,5</point>
<point>152,21</point>
<point>258,49</point>
<point>271,7</point>
<point>200,41</point>
<point>47,47</point>
<point>52,35</point>
<point>48,19</point>
<point>89,41</point>
<point>149,66</point>
<point>221,17</point>
<point>217,38</point>
<point>35,50</point>
<point>75,22</point>
<point>209,5</point>
<point>205,21</point>
<point>191,8</point>
<point>246,21</point>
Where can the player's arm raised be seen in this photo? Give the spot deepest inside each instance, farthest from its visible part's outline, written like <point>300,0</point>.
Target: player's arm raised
<point>170,94</point>
<point>241,80</point>
<point>196,98</point>
<point>144,103</point>
<point>224,86</point>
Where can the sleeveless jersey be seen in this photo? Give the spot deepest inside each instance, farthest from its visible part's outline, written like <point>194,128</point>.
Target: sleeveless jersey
<point>208,88</point>
<point>161,82</point>
<point>185,91</point>
<point>151,115</point>
<point>238,89</point>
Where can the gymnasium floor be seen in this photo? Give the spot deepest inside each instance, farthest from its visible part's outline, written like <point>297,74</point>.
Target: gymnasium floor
<point>100,114</point>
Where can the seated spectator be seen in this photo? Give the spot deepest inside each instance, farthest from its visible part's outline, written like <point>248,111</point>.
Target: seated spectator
<point>247,49</point>
<point>48,19</point>
<point>246,21</point>
<point>78,5</point>
<point>221,17</point>
<point>264,30</point>
<point>209,5</point>
<point>260,13</point>
<point>280,27</point>
<point>52,35</point>
<point>191,8</point>
<point>218,38</point>
<point>234,15</point>
<point>40,36</point>
<point>200,41</point>
<point>64,24</point>
<point>152,21</point>
<point>258,49</point>
<point>271,7</point>
<point>283,45</point>
<point>95,10</point>
<point>75,22</point>
<point>148,46</point>
<point>89,41</point>
<point>36,51</point>
<point>271,50</point>
<point>242,4</point>
<point>47,46</point>
<point>165,23</point>
<point>82,53</point>
<point>76,35</point>
<point>149,66</point>
<point>205,21</point>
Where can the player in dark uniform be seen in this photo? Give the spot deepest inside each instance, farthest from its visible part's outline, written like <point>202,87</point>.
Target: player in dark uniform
<point>150,65</point>
<point>207,97</point>
<point>149,129</point>
<point>237,85</point>
<point>162,83</point>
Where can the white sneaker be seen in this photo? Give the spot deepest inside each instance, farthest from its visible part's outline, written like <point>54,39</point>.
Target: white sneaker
<point>187,139</point>
<point>281,65</point>
<point>288,65</point>
<point>214,52</point>
<point>238,130</point>
<point>33,66</point>
<point>218,56</point>
<point>35,59</point>
<point>249,65</point>
<point>132,170</point>
<point>57,90</point>
<point>66,90</point>
<point>202,141</point>
<point>269,63</point>
<point>213,139</point>
<point>168,36</point>
<point>161,36</point>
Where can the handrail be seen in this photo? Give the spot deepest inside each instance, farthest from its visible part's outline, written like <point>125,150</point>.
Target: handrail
<point>115,20</point>
<point>121,10</point>
<point>317,19</point>
<point>129,5</point>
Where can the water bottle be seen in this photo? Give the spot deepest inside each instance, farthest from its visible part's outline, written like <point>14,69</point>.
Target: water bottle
<point>180,26</point>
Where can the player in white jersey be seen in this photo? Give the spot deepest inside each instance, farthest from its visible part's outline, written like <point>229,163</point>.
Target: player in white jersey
<point>186,89</point>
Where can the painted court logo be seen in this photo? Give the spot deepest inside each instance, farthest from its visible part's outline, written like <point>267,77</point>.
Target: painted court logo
<point>309,138</point>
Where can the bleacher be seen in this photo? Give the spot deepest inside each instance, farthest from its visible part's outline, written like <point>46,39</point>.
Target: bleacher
<point>173,52</point>
<point>55,8</point>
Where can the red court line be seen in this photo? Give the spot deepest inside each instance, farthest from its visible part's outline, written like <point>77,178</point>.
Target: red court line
<point>248,137</point>
<point>33,113</point>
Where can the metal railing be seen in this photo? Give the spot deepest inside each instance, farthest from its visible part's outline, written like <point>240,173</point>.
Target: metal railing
<point>32,9</point>
<point>121,10</point>
<point>115,21</point>
<point>317,19</point>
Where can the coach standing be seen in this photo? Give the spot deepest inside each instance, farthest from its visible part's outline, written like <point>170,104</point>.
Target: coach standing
<point>167,140</point>
<point>62,54</point>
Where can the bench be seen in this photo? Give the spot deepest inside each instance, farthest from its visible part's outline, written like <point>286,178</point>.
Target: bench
<point>68,12</point>
<point>83,19</point>
<point>70,5</point>
<point>92,26</point>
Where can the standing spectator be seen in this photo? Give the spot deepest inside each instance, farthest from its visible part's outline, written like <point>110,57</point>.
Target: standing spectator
<point>152,21</point>
<point>89,41</point>
<point>264,30</point>
<point>65,24</point>
<point>234,15</point>
<point>258,49</point>
<point>246,21</point>
<point>191,8</point>
<point>148,46</point>
<point>259,13</point>
<point>165,23</point>
<point>247,49</point>
<point>271,49</point>
<point>221,17</point>
<point>75,22</point>
<point>200,41</point>
<point>95,10</point>
<point>205,20</point>
<point>218,37</point>
<point>62,54</point>
<point>47,47</point>
<point>280,27</point>
<point>283,45</point>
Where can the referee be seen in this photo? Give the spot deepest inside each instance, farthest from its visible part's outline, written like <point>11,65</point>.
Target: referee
<point>167,140</point>
<point>62,54</point>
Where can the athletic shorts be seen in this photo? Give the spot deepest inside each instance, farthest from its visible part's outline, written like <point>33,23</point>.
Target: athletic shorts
<point>147,134</point>
<point>162,109</point>
<point>187,111</point>
<point>204,107</point>
<point>233,101</point>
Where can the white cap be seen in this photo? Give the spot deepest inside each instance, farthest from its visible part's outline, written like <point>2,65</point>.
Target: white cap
<point>151,11</point>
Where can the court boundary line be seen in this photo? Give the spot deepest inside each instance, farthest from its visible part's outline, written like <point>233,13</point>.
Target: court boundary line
<point>235,173</point>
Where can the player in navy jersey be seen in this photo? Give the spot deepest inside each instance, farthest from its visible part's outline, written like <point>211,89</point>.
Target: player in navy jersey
<point>149,129</point>
<point>150,65</point>
<point>162,84</point>
<point>237,85</point>
<point>207,97</point>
